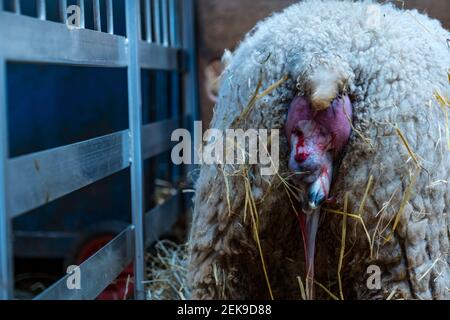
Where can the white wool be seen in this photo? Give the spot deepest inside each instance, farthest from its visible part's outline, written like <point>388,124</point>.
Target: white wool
<point>324,85</point>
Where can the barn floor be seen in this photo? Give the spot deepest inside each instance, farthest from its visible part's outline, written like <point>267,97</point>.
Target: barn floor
<point>167,271</point>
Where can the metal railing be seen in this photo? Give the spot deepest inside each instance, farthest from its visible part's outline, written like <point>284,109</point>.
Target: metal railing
<point>166,43</point>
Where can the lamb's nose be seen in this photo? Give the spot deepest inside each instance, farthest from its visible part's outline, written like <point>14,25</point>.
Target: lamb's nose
<point>315,197</point>
<point>319,190</point>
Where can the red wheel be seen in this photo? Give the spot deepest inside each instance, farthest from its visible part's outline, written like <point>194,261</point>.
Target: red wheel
<point>122,288</point>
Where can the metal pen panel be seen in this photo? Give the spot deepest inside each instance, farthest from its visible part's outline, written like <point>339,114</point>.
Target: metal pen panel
<point>135,117</point>
<point>41,9</point>
<point>157,57</point>
<point>98,271</point>
<point>109,17</point>
<point>39,178</point>
<point>103,267</point>
<point>156,137</point>
<point>34,180</point>
<point>97,15</point>
<point>30,40</point>
<point>6,269</point>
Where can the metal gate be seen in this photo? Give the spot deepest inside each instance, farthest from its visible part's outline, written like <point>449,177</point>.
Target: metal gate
<point>164,41</point>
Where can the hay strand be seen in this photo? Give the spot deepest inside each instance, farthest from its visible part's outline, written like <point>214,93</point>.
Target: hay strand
<point>302,288</point>
<point>255,227</point>
<point>333,296</point>
<point>343,237</point>
<point>257,96</point>
<point>405,199</point>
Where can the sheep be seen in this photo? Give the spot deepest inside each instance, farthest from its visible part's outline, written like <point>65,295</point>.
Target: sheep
<point>392,177</point>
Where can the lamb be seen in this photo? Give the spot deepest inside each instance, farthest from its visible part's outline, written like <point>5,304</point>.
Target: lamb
<point>390,184</point>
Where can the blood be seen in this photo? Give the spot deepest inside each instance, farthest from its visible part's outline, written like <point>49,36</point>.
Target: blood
<point>300,156</point>
<point>301,139</point>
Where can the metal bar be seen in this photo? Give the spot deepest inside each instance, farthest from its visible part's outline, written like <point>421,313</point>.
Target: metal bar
<point>82,15</point>
<point>135,119</point>
<point>156,137</point>
<point>16,6</point>
<point>190,80</point>
<point>161,219</point>
<point>98,271</point>
<point>6,268</point>
<point>30,40</point>
<point>39,178</point>
<point>41,9</point>
<point>62,9</point>
<point>87,48</point>
<point>165,23</point>
<point>154,56</point>
<point>103,267</point>
<point>176,170</point>
<point>174,22</point>
<point>175,106</point>
<point>97,16</point>
<point>157,20</point>
<point>190,91</point>
<point>110,16</point>
<point>148,21</point>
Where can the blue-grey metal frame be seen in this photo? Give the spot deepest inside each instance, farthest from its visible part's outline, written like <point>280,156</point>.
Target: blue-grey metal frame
<point>168,45</point>
<point>135,115</point>
<point>6,274</point>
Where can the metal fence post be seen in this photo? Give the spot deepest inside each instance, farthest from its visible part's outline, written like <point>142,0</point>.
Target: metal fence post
<point>190,93</point>
<point>16,6</point>
<point>6,274</point>
<point>41,9</point>
<point>157,21</point>
<point>135,119</point>
<point>174,28</point>
<point>62,11</point>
